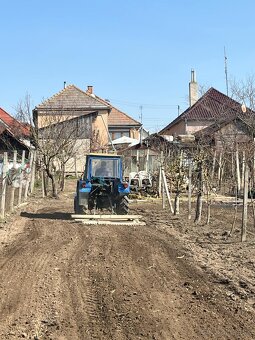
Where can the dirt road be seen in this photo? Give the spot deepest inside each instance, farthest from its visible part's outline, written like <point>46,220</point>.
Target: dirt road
<point>61,280</point>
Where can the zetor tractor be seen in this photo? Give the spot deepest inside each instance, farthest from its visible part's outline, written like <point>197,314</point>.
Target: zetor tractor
<point>102,186</point>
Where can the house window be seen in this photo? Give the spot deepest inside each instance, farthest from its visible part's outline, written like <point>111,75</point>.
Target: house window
<point>118,134</point>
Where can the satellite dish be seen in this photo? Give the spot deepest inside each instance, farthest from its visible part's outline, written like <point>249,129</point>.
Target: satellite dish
<point>243,107</point>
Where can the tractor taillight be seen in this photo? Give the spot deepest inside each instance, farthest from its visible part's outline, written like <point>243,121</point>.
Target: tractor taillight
<point>125,185</point>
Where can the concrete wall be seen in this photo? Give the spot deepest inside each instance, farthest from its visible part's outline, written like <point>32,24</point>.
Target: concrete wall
<point>229,135</point>
<point>76,164</point>
<point>189,127</point>
<point>100,129</point>
<point>177,129</point>
<point>134,133</point>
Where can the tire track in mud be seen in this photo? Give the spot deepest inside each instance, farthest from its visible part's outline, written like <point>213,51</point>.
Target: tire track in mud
<point>27,270</point>
<point>81,288</point>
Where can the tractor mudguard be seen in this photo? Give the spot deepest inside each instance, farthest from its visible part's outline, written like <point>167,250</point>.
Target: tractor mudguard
<point>122,190</point>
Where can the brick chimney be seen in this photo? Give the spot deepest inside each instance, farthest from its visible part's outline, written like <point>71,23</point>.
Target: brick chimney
<point>193,89</point>
<point>89,89</point>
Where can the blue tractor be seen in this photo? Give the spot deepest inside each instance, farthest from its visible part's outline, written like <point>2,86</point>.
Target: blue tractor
<point>102,186</point>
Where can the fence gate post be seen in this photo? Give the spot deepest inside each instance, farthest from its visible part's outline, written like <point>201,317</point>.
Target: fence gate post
<point>4,182</point>
<point>13,188</point>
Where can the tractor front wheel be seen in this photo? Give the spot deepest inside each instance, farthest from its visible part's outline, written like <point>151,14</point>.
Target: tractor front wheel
<point>122,207</point>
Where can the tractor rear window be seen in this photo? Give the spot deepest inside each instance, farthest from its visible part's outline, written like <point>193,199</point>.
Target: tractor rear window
<point>105,168</point>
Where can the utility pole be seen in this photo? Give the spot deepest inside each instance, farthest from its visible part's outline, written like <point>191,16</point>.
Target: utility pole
<point>141,119</point>
<point>226,69</point>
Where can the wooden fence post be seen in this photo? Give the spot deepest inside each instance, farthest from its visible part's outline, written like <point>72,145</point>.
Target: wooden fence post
<point>32,184</point>
<point>163,197</point>
<point>160,190</point>
<point>4,182</point>
<point>21,177</point>
<point>13,188</point>
<point>147,160</point>
<point>238,179</point>
<point>167,191</point>
<point>43,183</point>
<point>137,161</point>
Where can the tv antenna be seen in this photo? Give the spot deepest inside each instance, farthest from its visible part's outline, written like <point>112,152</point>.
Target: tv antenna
<point>226,69</point>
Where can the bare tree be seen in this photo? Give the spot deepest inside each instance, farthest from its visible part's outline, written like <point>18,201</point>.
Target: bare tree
<point>58,140</point>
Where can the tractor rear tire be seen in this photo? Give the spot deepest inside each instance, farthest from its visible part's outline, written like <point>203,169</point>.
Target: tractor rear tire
<point>79,209</point>
<point>122,206</point>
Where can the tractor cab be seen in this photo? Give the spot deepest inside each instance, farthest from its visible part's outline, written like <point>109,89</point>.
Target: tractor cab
<point>103,167</point>
<point>102,185</point>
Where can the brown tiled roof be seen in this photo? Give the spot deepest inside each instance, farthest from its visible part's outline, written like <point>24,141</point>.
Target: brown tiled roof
<point>212,105</point>
<point>117,117</point>
<point>72,97</point>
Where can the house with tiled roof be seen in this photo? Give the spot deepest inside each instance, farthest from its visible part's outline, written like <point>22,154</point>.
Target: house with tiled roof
<point>14,135</point>
<point>71,102</point>
<point>229,131</point>
<point>95,117</point>
<point>18,128</point>
<point>120,124</point>
<point>209,109</point>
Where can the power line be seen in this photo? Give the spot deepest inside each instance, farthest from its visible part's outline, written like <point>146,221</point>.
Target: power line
<point>136,104</point>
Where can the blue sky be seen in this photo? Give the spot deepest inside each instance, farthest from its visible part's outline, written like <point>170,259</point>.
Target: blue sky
<point>135,53</point>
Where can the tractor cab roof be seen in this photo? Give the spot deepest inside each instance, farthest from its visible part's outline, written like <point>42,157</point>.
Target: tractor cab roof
<point>106,155</point>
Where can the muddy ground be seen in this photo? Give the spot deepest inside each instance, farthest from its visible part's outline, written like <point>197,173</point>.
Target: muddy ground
<point>170,279</point>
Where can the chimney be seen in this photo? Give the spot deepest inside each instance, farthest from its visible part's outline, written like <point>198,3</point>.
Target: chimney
<point>193,89</point>
<point>89,90</point>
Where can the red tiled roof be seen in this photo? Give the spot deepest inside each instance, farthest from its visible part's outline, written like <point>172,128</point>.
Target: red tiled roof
<point>213,104</point>
<point>13,125</point>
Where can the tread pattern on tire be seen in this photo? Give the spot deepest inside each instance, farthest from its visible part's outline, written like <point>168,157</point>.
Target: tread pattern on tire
<point>123,206</point>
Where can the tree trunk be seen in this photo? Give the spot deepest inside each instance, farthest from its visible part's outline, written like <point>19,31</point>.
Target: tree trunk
<point>189,188</point>
<point>177,203</point>
<point>53,183</point>
<point>245,203</point>
<point>62,180</point>
<point>235,215</point>
<point>199,194</point>
<point>243,170</point>
<point>213,164</point>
